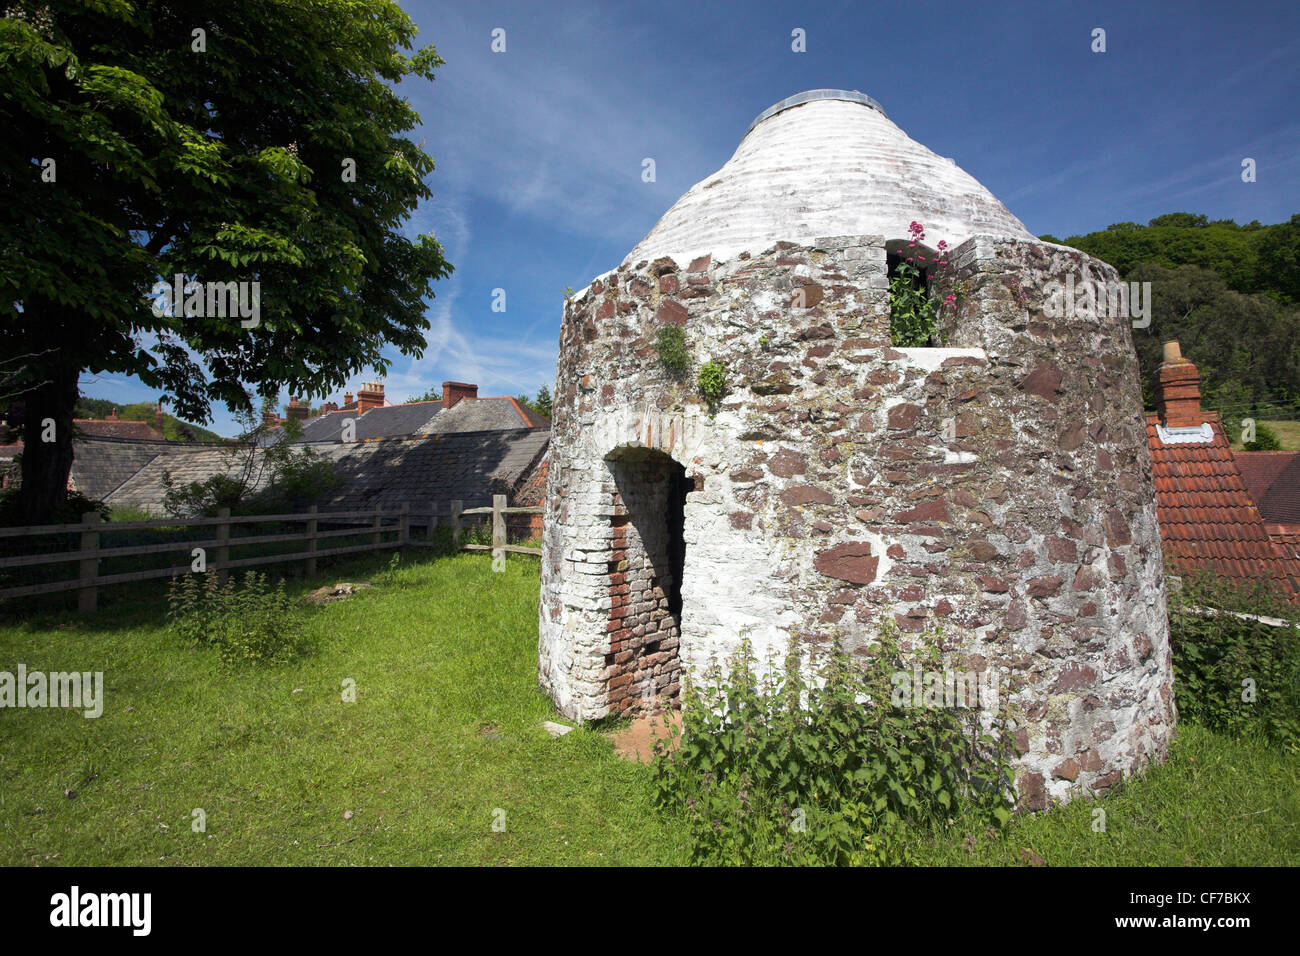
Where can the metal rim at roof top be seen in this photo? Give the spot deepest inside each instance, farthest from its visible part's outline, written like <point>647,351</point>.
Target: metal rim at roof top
<point>809,96</point>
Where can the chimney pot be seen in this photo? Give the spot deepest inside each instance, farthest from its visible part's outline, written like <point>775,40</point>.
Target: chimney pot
<point>371,396</point>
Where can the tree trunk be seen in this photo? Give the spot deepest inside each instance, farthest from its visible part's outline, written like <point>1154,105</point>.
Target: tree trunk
<point>47,448</point>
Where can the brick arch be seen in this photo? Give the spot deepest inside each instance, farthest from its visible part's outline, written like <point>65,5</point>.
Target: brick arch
<point>646,491</point>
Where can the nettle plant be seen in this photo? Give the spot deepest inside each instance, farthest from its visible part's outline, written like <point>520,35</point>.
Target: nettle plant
<point>247,622</point>
<point>1236,674</point>
<point>813,763</point>
<point>913,311</point>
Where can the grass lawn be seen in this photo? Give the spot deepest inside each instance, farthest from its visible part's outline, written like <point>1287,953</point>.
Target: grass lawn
<point>446,729</point>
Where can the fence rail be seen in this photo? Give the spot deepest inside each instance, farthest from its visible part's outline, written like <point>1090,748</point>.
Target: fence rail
<point>89,553</point>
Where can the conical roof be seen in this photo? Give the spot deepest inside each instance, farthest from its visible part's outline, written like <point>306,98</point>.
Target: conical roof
<point>826,163</point>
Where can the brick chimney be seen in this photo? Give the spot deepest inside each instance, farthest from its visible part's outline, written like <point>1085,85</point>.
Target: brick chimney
<point>347,399</point>
<point>1178,390</point>
<point>453,392</point>
<point>370,396</point>
<point>112,414</point>
<point>158,418</point>
<point>329,407</point>
<point>295,409</point>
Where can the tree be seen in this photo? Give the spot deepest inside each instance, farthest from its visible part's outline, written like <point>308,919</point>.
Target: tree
<point>233,142</point>
<point>540,404</point>
<point>1184,220</point>
<point>1279,258</point>
<point>432,395</point>
<point>1246,347</point>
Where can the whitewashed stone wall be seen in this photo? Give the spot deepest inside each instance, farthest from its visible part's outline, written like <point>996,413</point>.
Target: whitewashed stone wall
<point>999,487</point>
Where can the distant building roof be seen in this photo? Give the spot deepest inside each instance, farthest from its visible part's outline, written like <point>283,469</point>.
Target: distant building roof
<point>469,466</point>
<point>116,428</point>
<point>469,414</point>
<point>388,421</point>
<point>1208,519</point>
<point>485,414</point>
<point>1273,478</point>
<point>100,464</point>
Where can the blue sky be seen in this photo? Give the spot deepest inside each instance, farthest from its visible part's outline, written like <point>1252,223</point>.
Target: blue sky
<point>539,149</point>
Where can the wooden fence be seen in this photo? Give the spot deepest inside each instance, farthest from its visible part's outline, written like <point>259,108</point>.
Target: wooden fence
<point>213,553</point>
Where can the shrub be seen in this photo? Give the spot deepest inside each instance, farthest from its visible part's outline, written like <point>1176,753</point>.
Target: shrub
<point>247,623</point>
<point>1265,439</point>
<point>1233,674</point>
<point>712,382</point>
<point>778,768</point>
<point>670,344</point>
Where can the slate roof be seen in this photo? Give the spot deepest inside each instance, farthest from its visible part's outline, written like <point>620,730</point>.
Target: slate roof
<point>390,421</point>
<point>484,414</point>
<point>1206,514</point>
<point>470,466</point>
<point>1273,478</point>
<point>425,418</point>
<point>100,465</point>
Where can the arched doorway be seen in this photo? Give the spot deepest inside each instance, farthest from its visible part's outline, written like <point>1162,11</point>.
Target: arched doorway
<point>646,567</point>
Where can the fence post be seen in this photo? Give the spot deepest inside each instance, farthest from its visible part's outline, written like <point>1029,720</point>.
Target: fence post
<point>404,525</point>
<point>498,532</point>
<point>88,597</point>
<point>311,542</point>
<point>456,508</point>
<point>223,549</point>
<point>377,535</point>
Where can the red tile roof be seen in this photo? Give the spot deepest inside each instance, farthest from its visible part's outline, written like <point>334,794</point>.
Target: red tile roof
<point>1207,516</point>
<point>1273,478</point>
<point>1287,536</point>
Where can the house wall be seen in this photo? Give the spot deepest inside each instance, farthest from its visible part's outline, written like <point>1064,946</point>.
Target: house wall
<point>998,488</point>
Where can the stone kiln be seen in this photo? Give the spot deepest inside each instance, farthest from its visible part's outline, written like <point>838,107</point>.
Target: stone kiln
<point>999,487</point>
